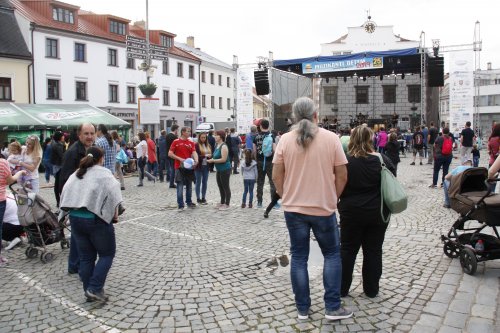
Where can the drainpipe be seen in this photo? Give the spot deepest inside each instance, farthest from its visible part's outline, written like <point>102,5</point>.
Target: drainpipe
<point>32,63</point>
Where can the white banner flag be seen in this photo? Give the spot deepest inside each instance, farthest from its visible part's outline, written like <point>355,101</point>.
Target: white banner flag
<point>461,85</point>
<point>244,100</point>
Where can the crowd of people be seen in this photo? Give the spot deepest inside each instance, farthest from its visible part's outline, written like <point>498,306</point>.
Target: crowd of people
<point>346,179</point>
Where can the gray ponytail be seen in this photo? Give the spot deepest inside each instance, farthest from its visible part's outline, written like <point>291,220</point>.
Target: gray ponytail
<point>303,112</point>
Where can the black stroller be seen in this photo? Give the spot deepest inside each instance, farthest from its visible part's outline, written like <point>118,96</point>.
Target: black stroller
<point>40,223</point>
<point>471,197</point>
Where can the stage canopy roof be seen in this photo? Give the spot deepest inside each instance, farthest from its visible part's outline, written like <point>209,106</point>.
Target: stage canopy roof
<point>49,116</point>
<point>362,64</point>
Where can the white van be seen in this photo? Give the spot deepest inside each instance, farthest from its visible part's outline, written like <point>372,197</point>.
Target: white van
<point>204,127</point>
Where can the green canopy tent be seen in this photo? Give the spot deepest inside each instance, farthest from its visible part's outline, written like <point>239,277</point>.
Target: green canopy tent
<point>12,118</point>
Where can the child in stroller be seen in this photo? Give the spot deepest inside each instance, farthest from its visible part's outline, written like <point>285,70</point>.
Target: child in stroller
<point>471,197</point>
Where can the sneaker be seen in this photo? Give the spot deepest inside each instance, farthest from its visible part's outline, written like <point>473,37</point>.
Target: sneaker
<point>412,163</point>
<point>13,243</point>
<point>191,205</point>
<point>243,205</point>
<point>303,315</point>
<point>432,186</point>
<point>340,313</point>
<point>172,186</point>
<point>3,261</point>
<point>203,202</point>
<point>198,201</point>
<point>180,209</point>
<point>96,296</point>
<point>224,207</point>
<point>259,204</point>
<point>122,188</point>
<point>277,206</point>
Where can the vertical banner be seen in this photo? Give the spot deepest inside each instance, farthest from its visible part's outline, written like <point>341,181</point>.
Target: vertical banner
<point>149,111</point>
<point>244,100</point>
<point>461,85</point>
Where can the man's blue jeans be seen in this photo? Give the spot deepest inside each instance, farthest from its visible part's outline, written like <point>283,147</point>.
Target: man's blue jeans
<point>446,186</point>
<point>171,170</point>
<point>163,161</point>
<point>180,190</point>
<point>94,237</point>
<point>201,181</point>
<point>326,231</point>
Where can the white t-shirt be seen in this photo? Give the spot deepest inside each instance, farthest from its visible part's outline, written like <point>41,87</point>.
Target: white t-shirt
<point>10,215</point>
<point>142,149</point>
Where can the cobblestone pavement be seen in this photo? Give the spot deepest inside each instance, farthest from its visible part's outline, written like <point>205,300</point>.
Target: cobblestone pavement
<point>202,270</point>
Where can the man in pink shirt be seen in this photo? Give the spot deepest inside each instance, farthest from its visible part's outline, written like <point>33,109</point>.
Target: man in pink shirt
<point>309,172</point>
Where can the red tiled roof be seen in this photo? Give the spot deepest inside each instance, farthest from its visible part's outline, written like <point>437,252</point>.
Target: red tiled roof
<point>82,25</point>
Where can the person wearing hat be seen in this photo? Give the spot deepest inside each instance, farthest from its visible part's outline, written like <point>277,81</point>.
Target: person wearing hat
<point>181,150</point>
<point>447,179</point>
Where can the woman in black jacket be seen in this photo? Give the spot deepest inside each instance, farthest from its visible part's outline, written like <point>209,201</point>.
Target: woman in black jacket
<point>392,150</point>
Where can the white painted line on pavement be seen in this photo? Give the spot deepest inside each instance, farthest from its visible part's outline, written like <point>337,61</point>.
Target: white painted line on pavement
<point>76,309</point>
<point>137,218</point>
<point>231,246</point>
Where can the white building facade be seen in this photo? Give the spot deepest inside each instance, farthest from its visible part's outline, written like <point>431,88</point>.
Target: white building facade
<point>217,85</point>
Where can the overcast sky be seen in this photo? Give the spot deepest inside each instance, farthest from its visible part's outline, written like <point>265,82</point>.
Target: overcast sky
<point>293,29</point>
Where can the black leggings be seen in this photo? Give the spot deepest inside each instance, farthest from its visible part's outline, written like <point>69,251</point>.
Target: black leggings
<point>223,183</point>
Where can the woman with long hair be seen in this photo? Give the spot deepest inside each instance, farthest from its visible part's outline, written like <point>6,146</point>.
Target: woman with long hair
<point>250,174</point>
<point>201,172</point>
<point>31,157</point>
<point>222,163</point>
<point>118,165</point>
<point>391,150</point>
<point>92,196</point>
<point>360,212</point>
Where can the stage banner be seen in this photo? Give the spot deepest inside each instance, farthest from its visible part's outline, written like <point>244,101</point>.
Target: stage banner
<point>149,110</point>
<point>244,100</point>
<point>461,85</point>
<point>342,65</point>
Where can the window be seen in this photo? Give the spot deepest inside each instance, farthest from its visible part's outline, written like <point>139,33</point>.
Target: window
<point>113,93</point>
<point>62,15</point>
<point>228,83</point>
<point>212,80</point>
<point>51,48</point>
<point>330,96</point>
<point>165,41</point>
<point>131,63</point>
<point>164,67</point>
<point>166,97</point>
<point>112,57</point>
<point>202,76</point>
<point>229,103</point>
<point>361,95</point>
<point>81,91</point>
<point>79,52</point>
<point>117,27</point>
<point>220,80</point>
<point>131,95</point>
<point>180,99</point>
<point>414,94</point>
<point>5,89</point>
<point>191,71</point>
<point>212,102</point>
<point>389,93</point>
<point>180,69</point>
<point>191,100</point>
<point>220,103</point>
<point>203,101</point>
<point>52,89</point>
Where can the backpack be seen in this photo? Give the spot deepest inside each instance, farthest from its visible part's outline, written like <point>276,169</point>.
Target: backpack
<point>447,146</point>
<point>419,139</point>
<point>267,145</point>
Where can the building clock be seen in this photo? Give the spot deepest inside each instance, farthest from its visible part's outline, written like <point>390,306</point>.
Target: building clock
<point>370,27</point>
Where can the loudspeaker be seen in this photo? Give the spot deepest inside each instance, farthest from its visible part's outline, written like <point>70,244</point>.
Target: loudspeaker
<point>435,72</point>
<point>261,82</point>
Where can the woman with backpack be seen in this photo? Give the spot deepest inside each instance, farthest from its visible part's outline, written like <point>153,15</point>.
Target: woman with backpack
<point>443,155</point>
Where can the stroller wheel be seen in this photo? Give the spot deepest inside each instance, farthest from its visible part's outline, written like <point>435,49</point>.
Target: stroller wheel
<point>451,250</point>
<point>46,257</point>
<point>64,244</point>
<point>468,261</point>
<point>31,252</point>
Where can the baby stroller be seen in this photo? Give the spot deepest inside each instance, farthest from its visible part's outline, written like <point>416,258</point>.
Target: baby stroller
<point>40,223</point>
<point>471,197</point>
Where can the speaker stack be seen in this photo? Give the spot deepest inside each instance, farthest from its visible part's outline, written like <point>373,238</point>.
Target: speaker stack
<point>261,79</point>
<point>435,72</point>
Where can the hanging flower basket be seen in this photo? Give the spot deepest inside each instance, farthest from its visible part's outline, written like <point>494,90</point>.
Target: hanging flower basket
<point>147,89</point>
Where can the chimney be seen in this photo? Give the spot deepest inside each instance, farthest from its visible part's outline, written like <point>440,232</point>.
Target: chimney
<point>140,24</point>
<point>190,41</point>
<point>488,66</point>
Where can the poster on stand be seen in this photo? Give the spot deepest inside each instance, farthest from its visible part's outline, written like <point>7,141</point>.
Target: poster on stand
<point>244,100</point>
<point>461,85</point>
<point>149,110</point>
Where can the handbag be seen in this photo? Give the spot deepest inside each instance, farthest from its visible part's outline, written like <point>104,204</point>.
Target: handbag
<point>392,193</point>
<point>121,157</point>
